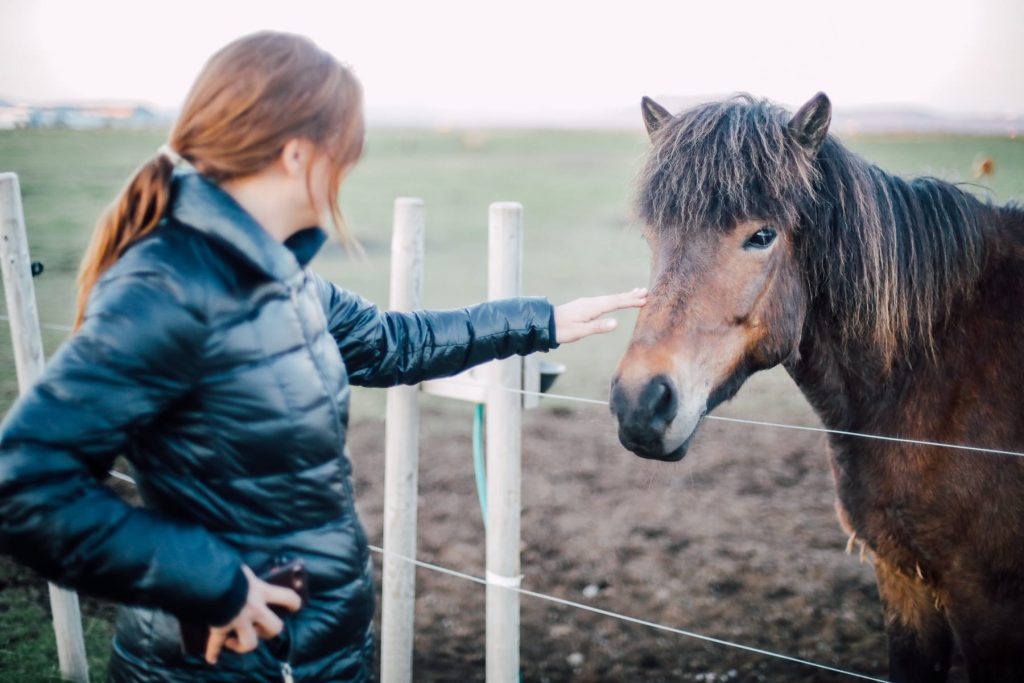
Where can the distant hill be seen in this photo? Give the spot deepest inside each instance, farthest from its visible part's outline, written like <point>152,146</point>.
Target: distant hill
<point>845,120</point>
<point>854,120</point>
<point>881,120</point>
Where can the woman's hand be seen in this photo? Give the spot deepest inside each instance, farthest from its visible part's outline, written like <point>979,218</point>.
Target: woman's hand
<point>255,621</point>
<point>582,317</point>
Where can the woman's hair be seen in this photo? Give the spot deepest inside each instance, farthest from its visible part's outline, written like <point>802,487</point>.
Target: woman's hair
<point>251,98</point>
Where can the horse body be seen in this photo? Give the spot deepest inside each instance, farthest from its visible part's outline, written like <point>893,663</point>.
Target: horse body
<point>945,527</point>
<point>895,305</point>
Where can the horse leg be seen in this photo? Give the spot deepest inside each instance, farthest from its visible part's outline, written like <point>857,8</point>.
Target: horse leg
<point>991,637</point>
<point>920,638</point>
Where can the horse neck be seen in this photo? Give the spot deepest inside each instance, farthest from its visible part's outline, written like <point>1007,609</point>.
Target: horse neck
<point>848,379</point>
<point>846,384</point>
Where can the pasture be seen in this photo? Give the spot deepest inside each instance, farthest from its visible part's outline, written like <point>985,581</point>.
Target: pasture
<point>738,541</point>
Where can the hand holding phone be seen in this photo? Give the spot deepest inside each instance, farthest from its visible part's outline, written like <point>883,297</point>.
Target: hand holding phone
<point>282,589</point>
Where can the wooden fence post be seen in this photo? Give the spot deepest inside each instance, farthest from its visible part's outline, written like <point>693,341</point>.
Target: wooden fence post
<point>504,429</point>
<point>401,459</point>
<point>28,359</point>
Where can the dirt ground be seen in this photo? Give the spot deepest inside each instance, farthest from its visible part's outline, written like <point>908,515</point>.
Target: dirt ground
<point>738,541</point>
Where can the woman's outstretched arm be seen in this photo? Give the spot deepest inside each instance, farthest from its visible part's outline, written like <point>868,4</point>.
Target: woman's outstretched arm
<point>384,348</point>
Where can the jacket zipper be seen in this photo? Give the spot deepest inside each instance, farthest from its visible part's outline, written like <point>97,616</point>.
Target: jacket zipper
<point>286,661</point>
<point>364,550</point>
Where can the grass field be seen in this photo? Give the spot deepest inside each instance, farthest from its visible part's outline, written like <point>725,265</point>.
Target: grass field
<point>580,240</point>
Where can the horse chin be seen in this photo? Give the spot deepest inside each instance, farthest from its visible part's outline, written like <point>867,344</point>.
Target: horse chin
<point>665,453</point>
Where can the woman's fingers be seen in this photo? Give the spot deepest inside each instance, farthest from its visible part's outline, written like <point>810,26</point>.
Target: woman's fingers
<point>635,298</point>
<point>600,326</point>
<point>255,621</point>
<point>244,640</point>
<point>267,623</point>
<point>632,299</point>
<point>278,595</point>
<point>582,317</point>
<point>214,644</point>
<point>245,636</point>
<point>614,302</point>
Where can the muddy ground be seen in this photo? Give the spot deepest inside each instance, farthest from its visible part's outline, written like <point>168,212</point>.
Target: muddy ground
<point>738,541</point>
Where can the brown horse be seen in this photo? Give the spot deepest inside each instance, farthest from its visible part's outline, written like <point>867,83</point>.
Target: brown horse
<point>896,306</point>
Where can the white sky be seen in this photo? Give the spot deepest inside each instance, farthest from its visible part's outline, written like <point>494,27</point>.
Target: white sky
<point>548,58</point>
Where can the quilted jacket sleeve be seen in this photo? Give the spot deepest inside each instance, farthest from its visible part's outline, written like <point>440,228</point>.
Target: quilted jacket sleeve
<point>385,348</point>
<point>135,354</point>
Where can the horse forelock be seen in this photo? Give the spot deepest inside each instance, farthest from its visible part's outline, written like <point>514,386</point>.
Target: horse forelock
<point>721,163</point>
<point>886,257</point>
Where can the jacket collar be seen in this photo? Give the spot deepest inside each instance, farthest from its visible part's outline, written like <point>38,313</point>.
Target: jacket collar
<point>203,205</point>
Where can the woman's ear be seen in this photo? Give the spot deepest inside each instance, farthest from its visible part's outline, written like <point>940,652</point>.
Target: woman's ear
<point>296,156</point>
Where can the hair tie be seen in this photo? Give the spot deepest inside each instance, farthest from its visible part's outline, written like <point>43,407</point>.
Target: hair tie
<point>172,156</point>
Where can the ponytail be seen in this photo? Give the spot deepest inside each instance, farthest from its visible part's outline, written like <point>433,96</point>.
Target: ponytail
<point>134,213</point>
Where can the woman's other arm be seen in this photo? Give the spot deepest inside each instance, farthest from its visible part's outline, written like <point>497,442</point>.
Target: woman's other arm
<point>135,354</point>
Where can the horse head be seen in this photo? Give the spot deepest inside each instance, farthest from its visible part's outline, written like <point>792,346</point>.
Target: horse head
<point>723,194</point>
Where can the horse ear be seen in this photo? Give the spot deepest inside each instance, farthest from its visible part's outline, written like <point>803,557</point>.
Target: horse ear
<point>655,115</point>
<point>810,124</point>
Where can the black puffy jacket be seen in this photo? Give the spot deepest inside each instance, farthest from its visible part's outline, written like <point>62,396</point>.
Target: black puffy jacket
<point>220,366</point>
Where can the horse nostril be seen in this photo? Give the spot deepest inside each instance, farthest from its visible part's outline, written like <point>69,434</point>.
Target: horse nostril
<point>664,401</point>
<point>661,400</point>
<point>647,413</point>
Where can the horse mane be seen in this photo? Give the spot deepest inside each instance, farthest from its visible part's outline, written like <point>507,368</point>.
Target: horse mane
<point>887,257</point>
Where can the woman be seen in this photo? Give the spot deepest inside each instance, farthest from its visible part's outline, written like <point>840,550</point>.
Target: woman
<point>219,364</point>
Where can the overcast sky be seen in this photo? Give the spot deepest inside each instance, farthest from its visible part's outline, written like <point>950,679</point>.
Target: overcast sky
<point>549,58</point>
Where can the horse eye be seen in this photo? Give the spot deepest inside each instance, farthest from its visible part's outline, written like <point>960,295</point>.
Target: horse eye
<point>762,239</point>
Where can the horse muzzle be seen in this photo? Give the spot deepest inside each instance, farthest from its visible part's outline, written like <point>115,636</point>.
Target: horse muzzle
<point>654,422</point>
